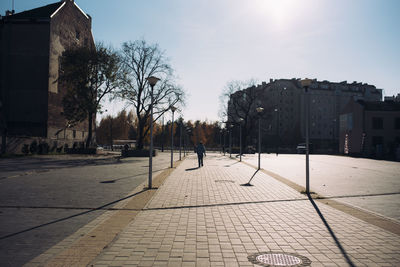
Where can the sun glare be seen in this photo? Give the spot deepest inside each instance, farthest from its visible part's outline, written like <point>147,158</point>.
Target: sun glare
<point>278,12</point>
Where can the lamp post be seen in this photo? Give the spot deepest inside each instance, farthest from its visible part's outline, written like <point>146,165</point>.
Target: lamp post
<point>306,84</point>
<point>240,138</point>
<point>162,135</point>
<point>172,136</point>
<point>230,140</point>
<point>180,139</point>
<point>277,131</point>
<point>152,81</point>
<point>259,111</point>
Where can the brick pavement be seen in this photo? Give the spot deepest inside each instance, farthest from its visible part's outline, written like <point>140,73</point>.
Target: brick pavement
<point>204,217</point>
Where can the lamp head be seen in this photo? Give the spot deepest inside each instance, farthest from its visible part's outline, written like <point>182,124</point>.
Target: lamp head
<point>260,109</point>
<point>173,109</point>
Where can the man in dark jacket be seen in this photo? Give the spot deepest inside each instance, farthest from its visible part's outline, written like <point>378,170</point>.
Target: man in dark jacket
<point>200,150</point>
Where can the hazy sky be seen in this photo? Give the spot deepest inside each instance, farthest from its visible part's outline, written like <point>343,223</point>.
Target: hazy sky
<point>210,42</point>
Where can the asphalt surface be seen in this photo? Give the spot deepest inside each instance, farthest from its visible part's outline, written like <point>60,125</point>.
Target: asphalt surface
<point>44,199</point>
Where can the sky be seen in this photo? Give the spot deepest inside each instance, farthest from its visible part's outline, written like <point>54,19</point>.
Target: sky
<point>211,42</point>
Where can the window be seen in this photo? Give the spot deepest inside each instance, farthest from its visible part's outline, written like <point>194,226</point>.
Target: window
<point>77,34</point>
<point>397,123</point>
<point>83,134</point>
<point>74,133</point>
<point>377,123</point>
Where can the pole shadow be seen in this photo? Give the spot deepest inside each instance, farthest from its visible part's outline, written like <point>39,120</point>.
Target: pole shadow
<point>127,177</point>
<point>191,169</point>
<point>248,183</point>
<point>338,244</point>
<point>229,165</point>
<point>72,216</point>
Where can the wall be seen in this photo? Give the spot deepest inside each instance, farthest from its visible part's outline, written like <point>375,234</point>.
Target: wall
<point>24,76</point>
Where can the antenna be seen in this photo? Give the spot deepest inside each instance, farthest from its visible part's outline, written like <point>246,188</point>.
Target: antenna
<point>12,7</point>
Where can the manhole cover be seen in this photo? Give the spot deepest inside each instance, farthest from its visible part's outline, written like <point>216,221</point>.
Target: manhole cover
<point>224,181</point>
<point>278,259</point>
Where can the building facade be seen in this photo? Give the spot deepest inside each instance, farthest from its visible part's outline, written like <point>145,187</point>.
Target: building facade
<point>371,129</point>
<point>31,43</point>
<point>284,103</point>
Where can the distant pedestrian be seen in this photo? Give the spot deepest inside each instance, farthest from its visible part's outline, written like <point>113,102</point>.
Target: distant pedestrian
<point>200,150</point>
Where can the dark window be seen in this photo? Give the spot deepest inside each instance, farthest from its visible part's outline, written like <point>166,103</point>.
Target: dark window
<point>377,123</point>
<point>77,34</point>
<point>397,123</point>
<point>83,134</point>
<point>74,134</point>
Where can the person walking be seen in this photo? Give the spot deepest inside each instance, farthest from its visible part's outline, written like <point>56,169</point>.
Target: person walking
<point>200,149</point>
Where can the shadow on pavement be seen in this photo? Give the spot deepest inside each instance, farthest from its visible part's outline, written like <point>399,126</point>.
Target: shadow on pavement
<point>127,177</point>
<point>72,216</point>
<point>339,245</point>
<point>229,165</point>
<point>191,169</point>
<point>248,183</point>
<point>46,164</point>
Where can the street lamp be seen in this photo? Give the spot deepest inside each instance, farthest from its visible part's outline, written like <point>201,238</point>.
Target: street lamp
<point>259,111</point>
<point>172,136</point>
<point>240,138</point>
<point>306,84</point>
<point>277,131</point>
<point>230,140</point>
<point>152,81</point>
<point>180,139</point>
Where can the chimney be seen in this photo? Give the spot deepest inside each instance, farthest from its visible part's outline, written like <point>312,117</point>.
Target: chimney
<point>10,13</point>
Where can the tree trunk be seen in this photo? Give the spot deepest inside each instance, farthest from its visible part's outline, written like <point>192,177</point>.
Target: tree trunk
<point>140,135</point>
<point>89,138</point>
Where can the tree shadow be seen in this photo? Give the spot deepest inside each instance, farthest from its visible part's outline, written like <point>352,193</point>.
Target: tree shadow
<point>338,244</point>
<point>248,183</point>
<point>73,216</point>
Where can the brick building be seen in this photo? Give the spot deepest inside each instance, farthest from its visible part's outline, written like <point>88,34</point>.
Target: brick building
<point>31,43</point>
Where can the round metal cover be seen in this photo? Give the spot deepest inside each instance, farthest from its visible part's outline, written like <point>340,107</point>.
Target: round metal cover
<point>278,259</point>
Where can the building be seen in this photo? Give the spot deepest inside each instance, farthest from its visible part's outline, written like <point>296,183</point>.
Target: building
<point>371,129</point>
<point>31,43</point>
<point>283,120</point>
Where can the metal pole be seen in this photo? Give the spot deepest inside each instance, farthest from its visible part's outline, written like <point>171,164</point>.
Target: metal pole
<point>277,132</point>
<point>307,140</point>
<point>172,141</point>
<point>180,140</point>
<point>230,142</point>
<point>224,141</point>
<point>151,140</point>
<point>240,141</point>
<point>162,135</point>
<point>259,141</point>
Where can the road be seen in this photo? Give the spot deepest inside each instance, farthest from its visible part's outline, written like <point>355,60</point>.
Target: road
<point>44,199</point>
<point>373,185</point>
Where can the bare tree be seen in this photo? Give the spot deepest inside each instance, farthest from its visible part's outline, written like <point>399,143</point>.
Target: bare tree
<point>140,60</point>
<point>238,102</point>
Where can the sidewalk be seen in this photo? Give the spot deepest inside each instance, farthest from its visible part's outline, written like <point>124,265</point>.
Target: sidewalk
<point>204,217</point>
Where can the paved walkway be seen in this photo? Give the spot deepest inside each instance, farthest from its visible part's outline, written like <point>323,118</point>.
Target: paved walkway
<point>204,217</point>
